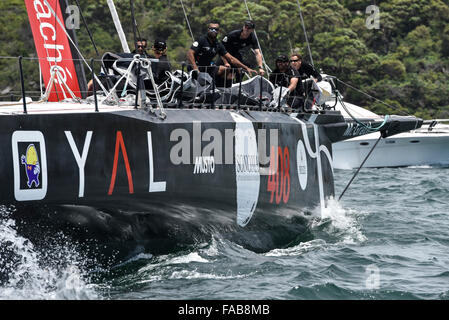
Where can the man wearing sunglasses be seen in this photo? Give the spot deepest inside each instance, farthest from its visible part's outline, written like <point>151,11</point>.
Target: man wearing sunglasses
<point>286,76</point>
<point>203,51</point>
<point>305,70</point>
<point>141,47</point>
<point>241,39</point>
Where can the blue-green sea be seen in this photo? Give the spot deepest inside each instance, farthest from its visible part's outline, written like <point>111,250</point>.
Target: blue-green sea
<point>388,238</point>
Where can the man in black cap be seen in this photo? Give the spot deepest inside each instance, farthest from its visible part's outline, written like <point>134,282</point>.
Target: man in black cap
<point>286,76</point>
<point>203,51</point>
<point>241,39</point>
<point>160,52</point>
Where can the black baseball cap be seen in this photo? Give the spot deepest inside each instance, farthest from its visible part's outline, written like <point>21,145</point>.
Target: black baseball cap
<point>160,45</point>
<point>282,58</point>
<point>250,24</point>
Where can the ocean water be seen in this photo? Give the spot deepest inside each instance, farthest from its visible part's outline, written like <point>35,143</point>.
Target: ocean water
<point>388,238</point>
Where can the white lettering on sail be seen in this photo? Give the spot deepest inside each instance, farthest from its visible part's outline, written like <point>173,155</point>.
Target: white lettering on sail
<point>41,13</point>
<point>47,26</point>
<point>57,48</point>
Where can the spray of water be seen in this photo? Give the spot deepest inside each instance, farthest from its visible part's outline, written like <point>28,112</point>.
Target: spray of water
<point>26,272</point>
<point>339,222</point>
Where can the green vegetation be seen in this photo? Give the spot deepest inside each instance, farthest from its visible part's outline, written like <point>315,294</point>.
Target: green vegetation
<point>404,63</point>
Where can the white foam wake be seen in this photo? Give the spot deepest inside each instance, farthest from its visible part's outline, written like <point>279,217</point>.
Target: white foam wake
<point>339,221</point>
<point>297,250</point>
<point>24,277</point>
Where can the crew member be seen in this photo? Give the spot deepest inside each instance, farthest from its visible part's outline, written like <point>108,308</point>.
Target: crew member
<point>203,51</point>
<point>160,52</point>
<point>242,39</point>
<point>305,70</point>
<point>141,47</point>
<point>286,76</point>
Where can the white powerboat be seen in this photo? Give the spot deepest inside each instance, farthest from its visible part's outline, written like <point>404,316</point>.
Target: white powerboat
<point>428,145</point>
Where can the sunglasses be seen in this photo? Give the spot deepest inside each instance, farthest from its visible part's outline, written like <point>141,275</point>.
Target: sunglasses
<point>214,29</point>
<point>141,47</point>
<point>295,60</point>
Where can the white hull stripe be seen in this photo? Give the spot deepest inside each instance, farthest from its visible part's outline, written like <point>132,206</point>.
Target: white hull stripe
<point>316,155</point>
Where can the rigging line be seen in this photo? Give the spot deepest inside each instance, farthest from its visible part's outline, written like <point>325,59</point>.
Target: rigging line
<point>108,81</point>
<point>133,17</point>
<point>366,94</point>
<point>305,33</point>
<point>74,45</point>
<point>87,28</point>
<point>187,20</point>
<point>258,43</point>
<point>56,37</point>
<point>40,79</point>
<point>134,20</point>
<point>368,127</point>
<point>361,165</point>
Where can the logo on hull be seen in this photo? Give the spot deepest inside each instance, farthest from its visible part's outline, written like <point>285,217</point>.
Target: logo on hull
<point>204,165</point>
<point>28,150</point>
<point>32,167</point>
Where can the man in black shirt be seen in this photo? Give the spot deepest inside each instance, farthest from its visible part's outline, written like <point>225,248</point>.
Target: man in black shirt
<point>304,68</point>
<point>160,68</point>
<point>203,51</point>
<point>286,76</point>
<point>241,39</point>
<point>305,71</point>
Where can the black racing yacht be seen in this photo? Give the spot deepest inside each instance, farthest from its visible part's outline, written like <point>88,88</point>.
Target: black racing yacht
<point>157,166</point>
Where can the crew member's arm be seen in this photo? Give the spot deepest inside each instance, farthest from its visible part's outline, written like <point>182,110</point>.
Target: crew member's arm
<point>225,62</point>
<point>191,58</point>
<point>236,62</point>
<point>293,84</point>
<point>259,62</point>
<point>258,54</point>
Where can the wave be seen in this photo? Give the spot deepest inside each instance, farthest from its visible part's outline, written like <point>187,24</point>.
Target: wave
<point>331,291</point>
<point>339,223</point>
<point>27,272</point>
<point>299,249</point>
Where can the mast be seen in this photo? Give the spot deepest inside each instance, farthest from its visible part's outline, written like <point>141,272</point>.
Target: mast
<point>118,26</point>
